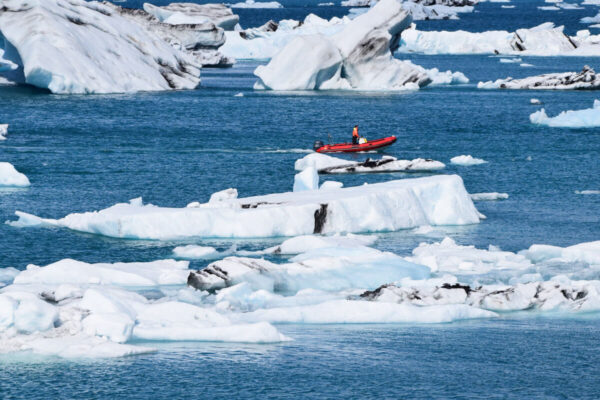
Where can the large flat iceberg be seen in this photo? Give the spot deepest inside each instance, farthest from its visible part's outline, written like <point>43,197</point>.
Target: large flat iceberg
<point>386,206</point>
<point>333,165</point>
<point>587,118</point>
<point>586,79</point>
<point>543,40</point>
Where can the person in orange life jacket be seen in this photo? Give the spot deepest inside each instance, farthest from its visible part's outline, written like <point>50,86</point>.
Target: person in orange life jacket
<point>355,135</point>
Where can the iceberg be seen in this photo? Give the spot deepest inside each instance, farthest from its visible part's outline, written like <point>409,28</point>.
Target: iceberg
<point>308,179</point>
<point>385,206</point>
<point>585,192</point>
<point>586,79</point>
<point>194,14</point>
<point>328,269</point>
<point>65,45</point>
<point>9,176</point>
<point>332,165</point>
<point>3,131</point>
<point>467,160</point>
<point>67,271</point>
<point>257,4</point>
<point>587,118</point>
<point>489,196</point>
<point>542,40</point>
<point>358,57</point>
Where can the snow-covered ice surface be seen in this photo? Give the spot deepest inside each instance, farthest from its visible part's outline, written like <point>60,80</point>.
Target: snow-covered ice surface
<point>467,160</point>
<point>436,200</point>
<point>489,196</point>
<point>9,176</point>
<point>363,46</point>
<point>257,4</point>
<point>64,46</point>
<point>325,164</point>
<point>543,40</point>
<point>586,79</point>
<point>586,118</point>
<point>191,13</point>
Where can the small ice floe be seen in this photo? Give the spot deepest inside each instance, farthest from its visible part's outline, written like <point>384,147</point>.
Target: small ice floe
<point>3,131</point>
<point>467,160</point>
<point>587,118</point>
<point>489,196</point>
<point>308,179</point>
<point>327,185</point>
<point>239,94</point>
<point>426,202</point>
<point>257,4</point>
<point>333,165</point>
<point>587,192</point>
<point>548,8</point>
<point>505,6</point>
<point>439,78</point>
<point>9,176</point>
<point>526,65</point>
<point>590,20</point>
<point>535,101</point>
<point>195,252</point>
<point>510,60</point>
<point>586,79</point>
<point>325,4</point>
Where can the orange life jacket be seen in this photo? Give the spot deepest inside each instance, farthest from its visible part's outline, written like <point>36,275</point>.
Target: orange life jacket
<point>355,132</point>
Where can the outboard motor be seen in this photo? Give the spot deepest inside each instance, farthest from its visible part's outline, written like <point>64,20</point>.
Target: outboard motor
<point>318,144</point>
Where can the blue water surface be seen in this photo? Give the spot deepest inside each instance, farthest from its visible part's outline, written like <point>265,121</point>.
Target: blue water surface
<point>86,153</point>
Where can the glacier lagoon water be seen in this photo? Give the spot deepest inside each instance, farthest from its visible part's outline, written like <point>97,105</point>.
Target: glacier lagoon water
<point>85,153</point>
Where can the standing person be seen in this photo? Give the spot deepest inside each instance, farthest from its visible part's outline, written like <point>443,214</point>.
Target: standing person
<point>355,135</point>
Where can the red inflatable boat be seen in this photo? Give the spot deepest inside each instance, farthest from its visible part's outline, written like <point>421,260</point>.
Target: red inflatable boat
<point>353,148</point>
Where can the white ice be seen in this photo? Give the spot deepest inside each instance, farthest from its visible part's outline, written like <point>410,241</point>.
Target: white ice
<point>467,160</point>
<point>489,196</point>
<point>9,176</point>
<point>3,131</point>
<point>587,192</point>
<point>535,101</point>
<point>257,4</point>
<point>307,179</point>
<point>586,79</point>
<point>65,45</point>
<point>435,200</point>
<point>326,164</point>
<point>587,118</point>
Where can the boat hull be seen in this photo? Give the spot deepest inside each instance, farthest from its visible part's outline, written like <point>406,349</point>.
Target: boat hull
<point>355,148</point>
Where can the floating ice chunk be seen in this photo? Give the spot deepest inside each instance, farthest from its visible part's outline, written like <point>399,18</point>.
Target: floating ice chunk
<point>327,268</point>
<point>504,6</point>
<point>9,176</point>
<point>308,179</point>
<point>586,79</point>
<point>489,196</point>
<point>201,252</point>
<point>25,312</point>
<point>163,272</point>
<point>7,275</point>
<point>78,346</point>
<point>587,118</point>
<point>591,20</point>
<point>223,195</point>
<point>3,131</point>
<point>447,256</point>
<point>358,3</point>
<point>114,326</point>
<point>302,244</point>
<point>535,101</point>
<point>510,60</point>
<point>180,321</point>
<point>467,160</point>
<point>257,4</point>
<point>325,4</point>
<point>238,95</point>
<point>446,78</point>
<point>548,8</point>
<point>65,46</point>
<point>584,252</point>
<point>191,13</point>
<point>587,192</point>
<point>544,39</point>
<point>435,200</point>
<point>556,294</point>
<point>363,46</point>
<point>331,185</point>
<point>332,165</point>
<point>365,312</point>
